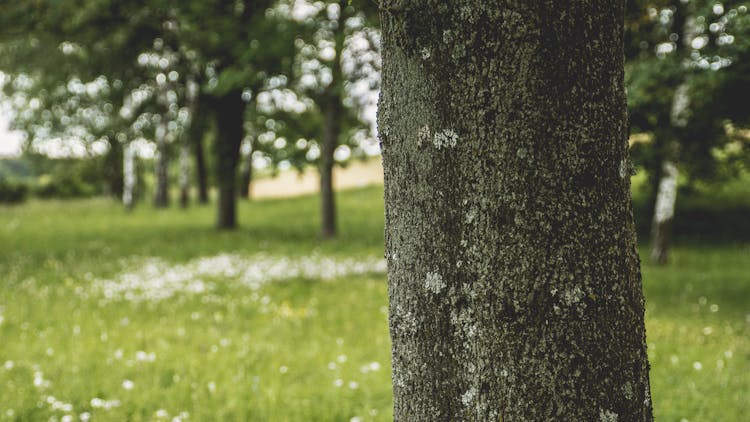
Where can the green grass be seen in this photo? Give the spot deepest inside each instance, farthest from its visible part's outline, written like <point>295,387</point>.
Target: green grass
<point>300,349</point>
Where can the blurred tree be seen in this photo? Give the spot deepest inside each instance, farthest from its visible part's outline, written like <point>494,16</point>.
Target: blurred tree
<point>318,115</point>
<point>54,48</point>
<point>242,45</point>
<point>130,178</point>
<point>199,128</point>
<point>684,76</point>
<point>235,45</point>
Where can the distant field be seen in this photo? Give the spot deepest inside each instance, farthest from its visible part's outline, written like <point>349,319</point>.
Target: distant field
<point>152,315</point>
<point>356,174</point>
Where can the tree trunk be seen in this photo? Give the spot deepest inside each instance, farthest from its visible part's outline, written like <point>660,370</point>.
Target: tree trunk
<point>661,228</point>
<point>129,177</point>
<point>184,174</point>
<point>246,176</point>
<point>666,196</point>
<point>332,109</point>
<point>514,281</point>
<point>331,130</point>
<point>197,133</point>
<point>200,169</point>
<point>229,111</point>
<point>161,192</point>
<point>113,171</point>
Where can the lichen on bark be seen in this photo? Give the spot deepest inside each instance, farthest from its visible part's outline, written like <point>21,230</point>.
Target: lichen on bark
<point>526,218</point>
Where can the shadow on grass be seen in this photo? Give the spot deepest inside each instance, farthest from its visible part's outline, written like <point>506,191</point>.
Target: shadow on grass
<point>701,223</point>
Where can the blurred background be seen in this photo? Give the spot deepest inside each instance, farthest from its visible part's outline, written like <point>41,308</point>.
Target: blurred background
<point>191,208</point>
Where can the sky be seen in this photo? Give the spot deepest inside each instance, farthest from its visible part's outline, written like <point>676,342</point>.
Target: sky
<point>10,142</point>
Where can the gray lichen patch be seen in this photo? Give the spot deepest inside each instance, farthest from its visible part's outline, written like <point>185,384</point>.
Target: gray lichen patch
<point>403,320</point>
<point>624,168</point>
<point>627,390</point>
<point>448,36</point>
<point>471,215</point>
<point>447,138</point>
<point>434,282</point>
<point>464,324</point>
<point>572,296</point>
<point>607,416</point>
<point>423,136</point>
<point>468,397</point>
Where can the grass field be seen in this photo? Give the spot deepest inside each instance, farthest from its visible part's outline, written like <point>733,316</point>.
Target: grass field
<point>154,316</point>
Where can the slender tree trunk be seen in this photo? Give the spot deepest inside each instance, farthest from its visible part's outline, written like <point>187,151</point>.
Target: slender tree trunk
<point>229,111</point>
<point>185,174</point>
<point>192,96</point>
<point>514,281</point>
<point>666,196</point>
<point>113,171</point>
<point>661,227</point>
<point>332,109</point>
<point>200,169</point>
<point>197,133</point>
<point>161,192</point>
<point>246,176</point>
<point>331,132</point>
<point>129,177</point>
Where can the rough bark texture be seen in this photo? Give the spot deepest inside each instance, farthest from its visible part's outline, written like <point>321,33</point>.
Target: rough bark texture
<point>332,110</point>
<point>514,281</point>
<point>161,192</point>
<point>230,111</point>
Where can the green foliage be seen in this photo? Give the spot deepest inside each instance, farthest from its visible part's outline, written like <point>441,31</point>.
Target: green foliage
<point>701,48</point>
<point>12,192</point>
<point>107,72</point>
<point>47,178</point>
<point>14,168</point>
<point>335,53</point>
<point>67,177</point>
<point>65,185</point>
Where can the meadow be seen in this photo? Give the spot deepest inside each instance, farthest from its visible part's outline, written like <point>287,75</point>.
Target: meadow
<point>152,315</point>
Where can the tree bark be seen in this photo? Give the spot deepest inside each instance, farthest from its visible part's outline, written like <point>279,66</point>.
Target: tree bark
<point>229,111</point>
<point>129,177</point>
<point>332,114</point>
<point>514,281</point>
<point>161,192</point>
